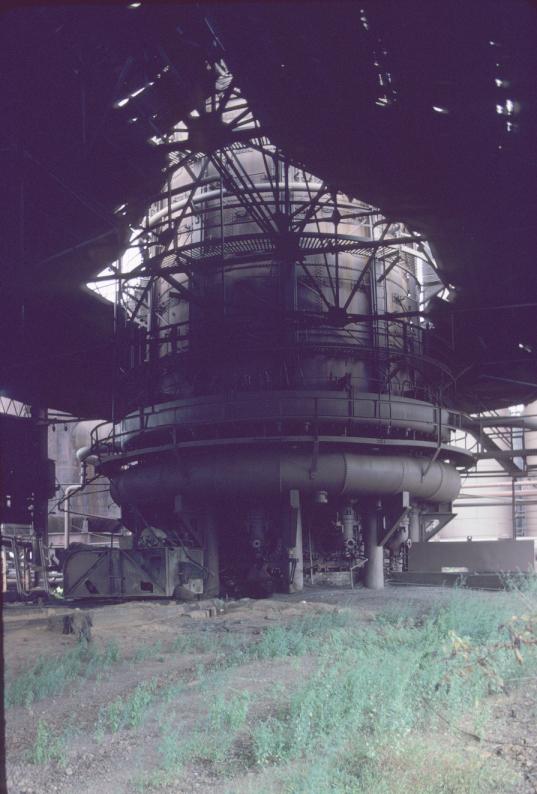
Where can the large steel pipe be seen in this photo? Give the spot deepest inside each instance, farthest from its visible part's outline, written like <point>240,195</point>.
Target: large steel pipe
<point>268,472</point>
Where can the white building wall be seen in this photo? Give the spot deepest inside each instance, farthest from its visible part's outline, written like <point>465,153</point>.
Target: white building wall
<point>493,484</point>
<point>530,439</point>
<point>87,507</point>
<point>482,522</point>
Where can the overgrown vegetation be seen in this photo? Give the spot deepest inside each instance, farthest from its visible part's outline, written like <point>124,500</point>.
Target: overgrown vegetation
<point>47,746</point>
<point>358,723</point>
<point>213,741</point>
<point>397,704</point>
<point>145,652</point>
<point>127,712</point>
<point>49,677</point>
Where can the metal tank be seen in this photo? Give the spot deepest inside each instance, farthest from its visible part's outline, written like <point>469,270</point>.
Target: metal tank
<point>279,400</point>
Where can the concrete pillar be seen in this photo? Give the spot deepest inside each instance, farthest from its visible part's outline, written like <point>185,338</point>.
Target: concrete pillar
<point>296,551</point>
<point>414,526</point>
<point>374,567</point>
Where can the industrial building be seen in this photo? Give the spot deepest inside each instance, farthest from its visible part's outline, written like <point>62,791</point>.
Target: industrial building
<point>268,297</point>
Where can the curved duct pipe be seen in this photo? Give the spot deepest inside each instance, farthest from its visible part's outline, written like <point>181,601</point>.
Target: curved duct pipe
<point>269,472</point>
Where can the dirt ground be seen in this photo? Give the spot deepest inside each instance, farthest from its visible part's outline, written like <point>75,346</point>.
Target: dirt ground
<point>145,633</point>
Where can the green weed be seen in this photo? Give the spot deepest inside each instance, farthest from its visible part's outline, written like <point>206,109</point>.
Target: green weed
<point>301,636</point>
<point>211,743</point>
<point>227,717</point>
<point>127,712</point>
<point>356,725</point>
<point>47,746</point>
<point>50,676</point>
<point>146,652</point>
<point>392,679</point>
<point>430,769</point>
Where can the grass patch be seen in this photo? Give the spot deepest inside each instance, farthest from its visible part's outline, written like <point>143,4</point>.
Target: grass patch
<point>377,687</point>
<point>127,712</point>
<point>394,680</point>
<point>48,677</point>
<point>227,717</point>
<point>301,636</point>
<point>47,746</point>
<point>150,651</point>
<point>421,768</point>
<point>365,720</point>
<point>213,742</point>
<point>209,745</point>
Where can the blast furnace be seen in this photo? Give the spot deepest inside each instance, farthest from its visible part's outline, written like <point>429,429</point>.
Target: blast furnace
<point>280,414</point>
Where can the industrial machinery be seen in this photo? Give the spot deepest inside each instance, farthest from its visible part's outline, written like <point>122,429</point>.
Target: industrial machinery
<point>281,398</point>
<point>27,481</point>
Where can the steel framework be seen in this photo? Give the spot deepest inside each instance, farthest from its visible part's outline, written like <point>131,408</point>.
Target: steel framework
<point>282,214</point>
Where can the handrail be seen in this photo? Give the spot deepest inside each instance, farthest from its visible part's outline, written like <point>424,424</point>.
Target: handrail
<point>225,412</point>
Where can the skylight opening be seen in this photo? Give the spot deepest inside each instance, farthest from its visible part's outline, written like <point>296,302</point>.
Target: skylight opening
<point>363,19</point>
<point>507,109</point>
<point>131,259</point>
<point>140,90</point>
<point>122,102</point>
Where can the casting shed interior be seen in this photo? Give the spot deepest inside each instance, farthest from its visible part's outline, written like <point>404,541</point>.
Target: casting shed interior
<point>425,110</point>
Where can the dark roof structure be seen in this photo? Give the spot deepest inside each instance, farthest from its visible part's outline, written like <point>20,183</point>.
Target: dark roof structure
<point>425,109</point>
